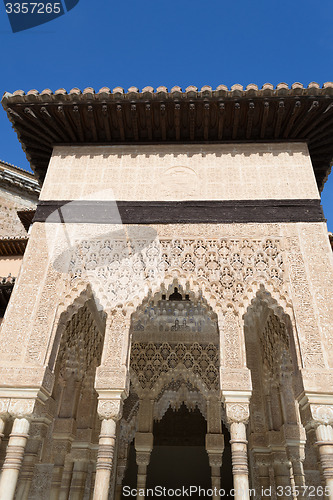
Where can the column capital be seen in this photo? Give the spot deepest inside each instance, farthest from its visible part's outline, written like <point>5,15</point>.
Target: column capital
<point>4,407</point>
<point>21,408</point>
<point>321,414</point>
<point>237,405</point>
<point>237,412</point>
<point>110,409</point>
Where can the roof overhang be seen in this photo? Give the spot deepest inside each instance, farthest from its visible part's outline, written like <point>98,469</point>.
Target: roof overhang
<point>10,247</point>
<point>43,120</point>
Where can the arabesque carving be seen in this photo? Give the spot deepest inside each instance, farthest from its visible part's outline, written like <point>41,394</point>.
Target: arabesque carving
<point>119,270</point>
<point>149,361</point>
<point>237,412</point>
<point>110,408</point>
<point>322,414</point>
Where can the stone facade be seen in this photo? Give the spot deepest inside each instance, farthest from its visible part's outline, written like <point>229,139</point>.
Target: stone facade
<point>110,325</point>
<point>19,191</point>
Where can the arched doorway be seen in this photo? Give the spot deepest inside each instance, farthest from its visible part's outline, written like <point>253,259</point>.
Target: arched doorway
<point>276,435</point>
<point>174,409</point>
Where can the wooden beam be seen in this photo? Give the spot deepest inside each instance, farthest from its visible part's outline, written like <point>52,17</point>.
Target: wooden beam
<point>293,116</point>
<point>22,127</point>
<point>134,117</point>
<point>192,120</point>
<point>177,121</point>
<point>149,121</point>
<point>320,132</point>
<point>221,120</point>
<point>38,145</point>
<point>235,119</point>
<point>163,121</point>
<point>206,121</point>
<point>304,119</point>
<point>77,119</point>
<point>120,122</point>
<point>25,133</point>
<point>280,115</point>
<point>39,124</point>
<point>52,122</point>
<point>91,118</point>
<point>66,122</point>
<point>313,125</point>
<point>106,123</point>
<point>264,120</point>
<point>249,120</point>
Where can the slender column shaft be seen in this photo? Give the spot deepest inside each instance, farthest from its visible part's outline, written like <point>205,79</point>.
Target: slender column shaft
<point>239,460</point>
<point>79,480</point>
<point>143,447</point>
<point>66,481</point>
<point>14,458</point>
<point>142,459</point>
<point>216,478</point>
<point>106,446</point>
<point>92,485</point>
<point>56,482</point>
<point>324,434</point>
<point>2,427</point>
<point>282,475</point>
<point>214,448</point>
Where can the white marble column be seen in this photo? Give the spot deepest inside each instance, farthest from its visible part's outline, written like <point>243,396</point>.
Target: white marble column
<point>324,434</point>
<point>110,411</point>
<point>238,416</point>
<point>2,426</point>
<point>320,417</point>
<point>106,445</point>
<point>14,457</point>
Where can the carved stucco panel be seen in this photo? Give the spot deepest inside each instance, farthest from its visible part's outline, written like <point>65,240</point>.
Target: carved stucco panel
<point>230,338</point>
<point>41,482</point>
<point>303,305</point>
<point>319,264</point>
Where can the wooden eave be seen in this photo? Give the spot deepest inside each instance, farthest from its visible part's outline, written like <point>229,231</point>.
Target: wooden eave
<point>270,114</point>
<point>12,246</point>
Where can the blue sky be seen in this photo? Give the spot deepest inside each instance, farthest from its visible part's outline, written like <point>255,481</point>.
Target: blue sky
<point>110,43</point>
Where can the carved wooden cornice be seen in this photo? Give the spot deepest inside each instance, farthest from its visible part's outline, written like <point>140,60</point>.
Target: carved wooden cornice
<point>278,114</point>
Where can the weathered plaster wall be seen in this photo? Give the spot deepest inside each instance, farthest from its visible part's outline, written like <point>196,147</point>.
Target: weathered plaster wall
<point>186,172</point>
<point>10,202</point>
<point>10,265</point>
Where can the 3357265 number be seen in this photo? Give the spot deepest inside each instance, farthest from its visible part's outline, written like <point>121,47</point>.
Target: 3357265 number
<point>33,8</point>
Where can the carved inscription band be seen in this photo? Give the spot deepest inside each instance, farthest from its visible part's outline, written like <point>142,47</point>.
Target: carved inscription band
<point>190,212</point>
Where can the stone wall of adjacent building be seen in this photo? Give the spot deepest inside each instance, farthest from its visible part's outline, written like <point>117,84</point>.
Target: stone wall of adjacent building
<point>10,203</point>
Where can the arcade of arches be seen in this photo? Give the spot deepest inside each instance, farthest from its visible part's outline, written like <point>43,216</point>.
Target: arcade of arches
<point>202,396</point>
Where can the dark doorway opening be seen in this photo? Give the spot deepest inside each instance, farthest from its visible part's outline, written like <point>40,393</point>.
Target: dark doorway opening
<point>179,458</point>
